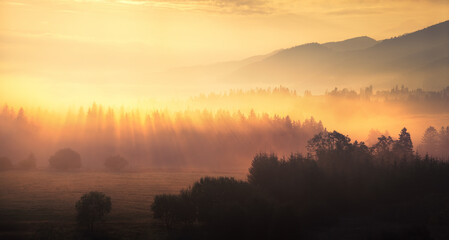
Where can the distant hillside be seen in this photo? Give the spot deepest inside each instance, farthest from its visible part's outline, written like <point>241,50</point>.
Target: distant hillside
<point>417,59</point>
<point>352,44</point>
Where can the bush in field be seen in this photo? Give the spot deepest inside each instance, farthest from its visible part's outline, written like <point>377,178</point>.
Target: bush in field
<point>65,159</point>
<point>5,164</point>
<point>28,163</point>
<point>92,208</point>
<point>115,163</point>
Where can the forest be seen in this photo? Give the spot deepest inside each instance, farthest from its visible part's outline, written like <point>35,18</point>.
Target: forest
<point>220,131</point>
<point>384,192</point>
<point>341,189</point>
<point>195,139</point>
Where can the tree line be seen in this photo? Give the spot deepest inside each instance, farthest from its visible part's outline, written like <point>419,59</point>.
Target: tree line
<point>435,142</point>
<point>339,190</point>
<point>386,191</point>
<point>156,139</point>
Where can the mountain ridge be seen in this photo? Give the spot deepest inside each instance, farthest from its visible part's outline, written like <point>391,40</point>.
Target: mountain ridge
<point>389,60</point>
<point>415,59</point>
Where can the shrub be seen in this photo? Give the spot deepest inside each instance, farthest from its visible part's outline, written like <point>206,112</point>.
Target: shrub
<point>65,159</point>
<point>92,207</point>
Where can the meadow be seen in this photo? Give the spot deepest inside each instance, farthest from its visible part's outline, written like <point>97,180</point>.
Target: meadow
<point>30,200</point>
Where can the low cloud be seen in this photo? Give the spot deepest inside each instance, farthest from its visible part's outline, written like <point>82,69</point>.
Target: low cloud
<point>220,6</point>
<point>357,11</point>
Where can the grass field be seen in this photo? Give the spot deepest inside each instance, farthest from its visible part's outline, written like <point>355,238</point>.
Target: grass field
<point>31,199</point>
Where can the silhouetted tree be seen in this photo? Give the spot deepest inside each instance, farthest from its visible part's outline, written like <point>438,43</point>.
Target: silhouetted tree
<point>187,209</point>
<point>328,141</point>
<point>115,163</point>
<point>5,164</point>
<point>384,144</point>
<point>444,142</point>
<point>403,147</point>
<point>263,170</point>
<point>383,148</point>
<point>334,152</point>
<point>65,159</point>
<point>430,141</point>
<point>92,208</point>
<point>214,195</point>
<point>173,209</point>
<point>229,206</point>
<point>435,143</point>
<point>164,207</point>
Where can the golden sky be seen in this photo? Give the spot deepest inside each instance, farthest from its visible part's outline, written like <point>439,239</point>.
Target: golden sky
<point>73,41</point>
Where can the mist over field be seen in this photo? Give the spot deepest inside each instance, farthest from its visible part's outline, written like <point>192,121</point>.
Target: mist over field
<point>219,131</point>
<point>166,119</point>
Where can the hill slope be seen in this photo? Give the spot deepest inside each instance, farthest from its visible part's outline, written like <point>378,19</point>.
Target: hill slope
<point>416,59</point>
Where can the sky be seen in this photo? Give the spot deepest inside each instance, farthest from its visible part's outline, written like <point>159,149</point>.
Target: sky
<point>57,47</point>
